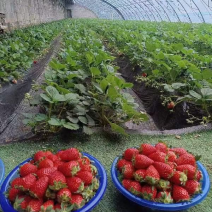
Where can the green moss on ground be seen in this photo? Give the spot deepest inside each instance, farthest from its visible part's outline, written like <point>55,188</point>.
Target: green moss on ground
<point>106,148</point>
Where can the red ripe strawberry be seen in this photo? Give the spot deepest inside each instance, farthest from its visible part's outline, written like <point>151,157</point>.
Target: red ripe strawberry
<point>170,105</point>
<point>22,202</point>
<point>172,165</point>
<point>85,164</point>
<point>45,172</point>
<point>179,194</point>
<point>127,171</point>
<point>26,182</point>
<point>164,197</point>
<point>70,154</point>
<point>126,183</point>
<point>135,188</point>
<point>139,175</point>
<point>186,159</point>
<point>16,181</point>
<point>46,163</point>
<point>78,201</point>
<point>69,169</point>
<point>47,206</point>
<point>121,163</point>
<point>152,176</point>
<point>13,193</point>
<point>144,74</point>
<point>39,188</point>
<point>58,163</point>
<point>171,156</point>
<point>34,205</point>
<point>161,147</point>
<point>164,170</point>
<point>53,158</point>
<point>158,156</point>
<point>148,192</point>
<point>57,181</point>
<point>85,176</point>
<point>142,161</point>
<point>198,175</point>
<point>32,162</point>
<point>35,62</point>
<point>27,168</point>
<point>57,206</point>
<point>193,187</point>
<point>147,149</point>
<point>64,195</point>
<point>163,185</point>
<point>179,178</point>
<point>75,184</point>
<point>39,155</point>
<point>179,151</point>
<point>189,170</point>
<point>130,153</point>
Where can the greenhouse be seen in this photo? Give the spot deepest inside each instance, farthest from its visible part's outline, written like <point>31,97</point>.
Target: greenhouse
<point>105,105</point>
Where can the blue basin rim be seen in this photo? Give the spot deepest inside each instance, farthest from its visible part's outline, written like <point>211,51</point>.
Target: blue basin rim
<point>159,206</point>
<point>2,171</point>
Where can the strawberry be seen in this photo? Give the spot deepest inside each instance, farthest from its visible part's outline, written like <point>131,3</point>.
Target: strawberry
<point>57,206</point>
<point>69,169</point>
<point>127,171</point>
<point>121,163</point>
<point>14,81</point>
<point>173,165</point>
<point>75,184</point>
<point>13,193</point>
<point>147,149</point>
<point>142,161</point>
<point>34,205</point>
<point>21,202</point>
<point>198,175</point>
<point>164,197</point>
<point>148,192</point>
<point>163,185</point>
<point>47,206</point>
<point>85,164</point>
<point>70,154</point>
<point>135,188</point>
<point>161,147</point>
<point>85,176</point>
<point>27,168</point>
<point>171,156</point>
<point>16,181</point>
<point>78,201</point>
<point>64,195</point>
<point>45,172</point>
<point>39,155</point>
<point>189,170</point>
<point>126,183</point>
<point>180,194</point>
<point>144,74</point>
<point>158,156</point>
<point>139,175</point>
<point>179,178</point>
<point>57,181</point>
<point>32,162</point>
<point>39,188</point>
<point>186,159</point>
<point>58,163</point>
<point>50,194</point>
<point>164,170</point>
<point>46,163</point>
<point>179,151</point>
<point>130,153</point>
<point>170,105</point>
<point>35,62</point>
<point>193,187</point>
<point>152,176</point>
<point>26,182</point>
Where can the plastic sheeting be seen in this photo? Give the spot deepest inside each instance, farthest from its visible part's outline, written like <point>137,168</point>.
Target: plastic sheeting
<point>192,11</point>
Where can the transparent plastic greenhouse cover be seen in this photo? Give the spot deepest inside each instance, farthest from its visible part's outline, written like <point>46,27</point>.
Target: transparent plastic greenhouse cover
<point>193,11</point>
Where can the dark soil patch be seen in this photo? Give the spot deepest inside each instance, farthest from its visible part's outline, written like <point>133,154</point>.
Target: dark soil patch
<point>163,118</point>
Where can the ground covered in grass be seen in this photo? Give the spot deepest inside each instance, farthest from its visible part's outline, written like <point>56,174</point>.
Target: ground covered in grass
<point>106,148</point>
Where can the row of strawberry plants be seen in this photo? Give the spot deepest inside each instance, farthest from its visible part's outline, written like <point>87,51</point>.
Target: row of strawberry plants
<point>187,72</point>
<point>19,48</point>
<point>82,88</point>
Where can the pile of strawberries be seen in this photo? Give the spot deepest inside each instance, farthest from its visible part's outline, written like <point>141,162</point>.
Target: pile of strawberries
<point>160,174</point>
<point>60,182</point>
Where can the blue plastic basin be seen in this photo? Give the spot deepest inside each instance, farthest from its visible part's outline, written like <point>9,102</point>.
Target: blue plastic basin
<point>7,207</point>
<point>1,171</point>
<point>160,206</point>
